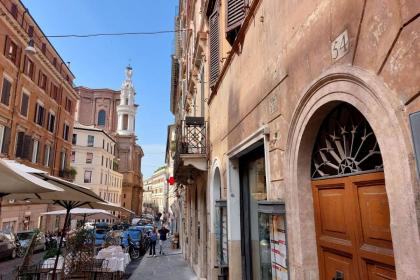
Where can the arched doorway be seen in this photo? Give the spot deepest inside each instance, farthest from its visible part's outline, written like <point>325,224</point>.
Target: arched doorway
<point>352,218</point>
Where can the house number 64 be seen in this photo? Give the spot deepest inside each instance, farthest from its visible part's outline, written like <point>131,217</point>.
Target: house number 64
<point>340,46</point>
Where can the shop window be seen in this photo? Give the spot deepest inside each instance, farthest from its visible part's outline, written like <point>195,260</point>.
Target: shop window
<point>222,235</point>
<point>5,92</point>
<point>272,247</point>
<point>253,191</point>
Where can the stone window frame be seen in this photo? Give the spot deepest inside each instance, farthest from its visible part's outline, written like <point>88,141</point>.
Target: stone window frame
<point>10,80</point>
<point>28,105</point>
<point>51,113</point>
<point>35,149</point>
<point>89,181</point>
<point>38,104</point>
<point>2,129</point>
<point>47,158</point>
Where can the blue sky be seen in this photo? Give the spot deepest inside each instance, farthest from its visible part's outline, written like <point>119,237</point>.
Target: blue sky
<point>99,62</point>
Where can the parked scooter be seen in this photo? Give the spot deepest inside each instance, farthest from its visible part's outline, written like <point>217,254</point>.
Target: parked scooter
<point>20,250</point>
<point>51,242</point>
<point>133,248</point>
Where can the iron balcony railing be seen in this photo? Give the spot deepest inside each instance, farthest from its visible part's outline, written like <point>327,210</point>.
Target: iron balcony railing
<point>192,136</point>
<point>191,139</point>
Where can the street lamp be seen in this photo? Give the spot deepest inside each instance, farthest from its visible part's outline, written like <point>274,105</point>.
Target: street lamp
<point>30,49</point>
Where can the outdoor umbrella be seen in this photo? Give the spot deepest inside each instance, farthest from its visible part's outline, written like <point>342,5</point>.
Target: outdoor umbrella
<point>109,206</point>
<point>16,179</point>
<point>85,212</point>
<point>71,197</point>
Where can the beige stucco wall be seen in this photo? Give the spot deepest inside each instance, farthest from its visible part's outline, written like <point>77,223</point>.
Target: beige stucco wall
<point>286,51</point>
<point>105,181</point>
<point>157,186</point>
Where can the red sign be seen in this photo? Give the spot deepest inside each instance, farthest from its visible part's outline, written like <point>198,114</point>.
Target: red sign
<point>171,181</point>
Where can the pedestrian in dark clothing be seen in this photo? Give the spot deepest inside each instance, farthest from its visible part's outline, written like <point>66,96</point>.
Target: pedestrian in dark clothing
<point>162,239</point>
<point>153,239</point>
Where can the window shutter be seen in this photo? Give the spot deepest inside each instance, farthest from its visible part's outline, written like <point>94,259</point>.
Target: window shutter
<point>36,112</point>
<point>24,105</point>
<point>6,46</point>
<point>235,14</point>
<point>6,140</point>
<point>52,154</point>
<point>18,55</point>
<point>214,47</point>
<point>14,10</point>
<point>5,94</point>
<point>28,146</point>
<point>39,154</point>
<point>30,31</point>
<point>19,144</point>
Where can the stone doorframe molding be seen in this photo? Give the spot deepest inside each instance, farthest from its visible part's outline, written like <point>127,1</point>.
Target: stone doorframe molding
<point>234,194</point>
<point>379,105</point>
<point>213,193</point>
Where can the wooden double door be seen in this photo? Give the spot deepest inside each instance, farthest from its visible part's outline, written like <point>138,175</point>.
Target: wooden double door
<point>352,228</point>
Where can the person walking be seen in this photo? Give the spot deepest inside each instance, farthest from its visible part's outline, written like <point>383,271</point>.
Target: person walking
<point>162,239</point>
<point>153,239</point>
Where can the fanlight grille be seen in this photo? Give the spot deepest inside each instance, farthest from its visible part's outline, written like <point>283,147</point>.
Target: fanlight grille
<point>345,145</point>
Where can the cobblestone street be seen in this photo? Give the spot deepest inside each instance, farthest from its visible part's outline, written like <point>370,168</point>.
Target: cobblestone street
<point>169,266</point>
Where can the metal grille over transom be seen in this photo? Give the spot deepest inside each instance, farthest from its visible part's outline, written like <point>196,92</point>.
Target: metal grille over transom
<point>345,145</point>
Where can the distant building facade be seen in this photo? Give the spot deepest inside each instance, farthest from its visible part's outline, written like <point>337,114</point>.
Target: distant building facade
<point>114,112</point>
<point>93,158</point>
<point>157,188</point>
<point>37,102</point>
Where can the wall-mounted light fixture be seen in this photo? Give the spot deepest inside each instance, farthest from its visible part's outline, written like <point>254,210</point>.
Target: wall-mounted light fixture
<point>30,49</point>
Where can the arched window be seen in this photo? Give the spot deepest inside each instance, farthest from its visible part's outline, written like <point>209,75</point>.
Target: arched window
<point>101,117</point>
<point>345,145</point>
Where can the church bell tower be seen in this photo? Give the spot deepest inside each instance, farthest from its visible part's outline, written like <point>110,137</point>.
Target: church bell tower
<point>126,110</point>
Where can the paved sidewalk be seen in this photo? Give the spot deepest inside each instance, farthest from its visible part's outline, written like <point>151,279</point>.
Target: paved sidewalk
<point>169,266</point>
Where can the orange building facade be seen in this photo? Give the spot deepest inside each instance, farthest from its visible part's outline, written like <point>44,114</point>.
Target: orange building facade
<point>37,102</point>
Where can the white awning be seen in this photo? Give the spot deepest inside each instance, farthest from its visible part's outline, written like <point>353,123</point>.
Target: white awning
<point>14,179</point>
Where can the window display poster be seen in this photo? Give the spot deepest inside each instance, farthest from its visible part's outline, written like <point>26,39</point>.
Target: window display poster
<point>224,237</point>
<point>278,248</point>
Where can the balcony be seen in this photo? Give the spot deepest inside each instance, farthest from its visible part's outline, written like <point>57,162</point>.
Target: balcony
<point>191,148</point>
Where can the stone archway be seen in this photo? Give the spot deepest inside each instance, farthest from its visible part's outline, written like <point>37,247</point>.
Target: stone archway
<point>214,195</point>
<point>377,104</point>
